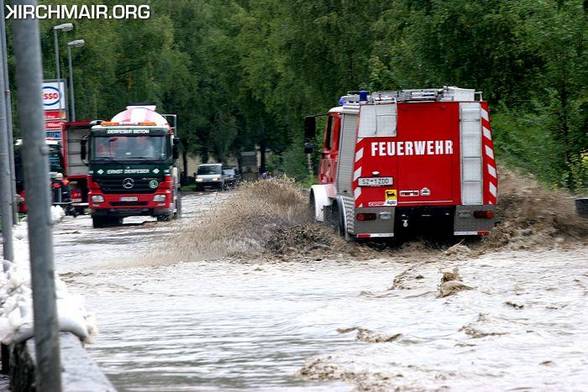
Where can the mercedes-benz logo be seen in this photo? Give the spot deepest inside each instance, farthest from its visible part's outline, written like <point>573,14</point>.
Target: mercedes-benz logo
<point>128,183</point>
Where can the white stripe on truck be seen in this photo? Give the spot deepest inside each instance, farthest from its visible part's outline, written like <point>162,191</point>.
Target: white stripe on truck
<point>487,133</point>
<point>484,114</point>
<point>491,170</point>
<point>489,152</point>
<point>357,173</point>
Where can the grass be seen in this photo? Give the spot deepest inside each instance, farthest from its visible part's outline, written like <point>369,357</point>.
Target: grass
<point>188,188</point>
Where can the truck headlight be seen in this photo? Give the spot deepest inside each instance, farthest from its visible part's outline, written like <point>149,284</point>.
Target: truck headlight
<point>216,179</point>
<point>199,180</point>
<point>159,198</point>
<point>97,199</point>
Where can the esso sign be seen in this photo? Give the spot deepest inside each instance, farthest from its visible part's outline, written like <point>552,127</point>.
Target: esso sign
<point>53,96</point>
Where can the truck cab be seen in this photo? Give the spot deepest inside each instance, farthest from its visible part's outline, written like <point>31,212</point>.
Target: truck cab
<point>132,169</point>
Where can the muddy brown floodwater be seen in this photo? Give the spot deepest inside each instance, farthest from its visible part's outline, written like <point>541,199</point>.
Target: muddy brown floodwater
<point>221,302</point>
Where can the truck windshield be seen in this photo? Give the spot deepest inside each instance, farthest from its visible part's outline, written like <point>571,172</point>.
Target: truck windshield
<point>55,159</point>
<point>211,169</point>
<point>129,148</point>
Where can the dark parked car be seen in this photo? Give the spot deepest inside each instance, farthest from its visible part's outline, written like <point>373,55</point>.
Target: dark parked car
<point>232,177</point>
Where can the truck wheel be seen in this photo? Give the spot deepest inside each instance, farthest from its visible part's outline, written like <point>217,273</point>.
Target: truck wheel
<point>98,222</point>
<point>164,218</point>
<point>178,213</point>
<point>337,220</point>
<point>105,221</point>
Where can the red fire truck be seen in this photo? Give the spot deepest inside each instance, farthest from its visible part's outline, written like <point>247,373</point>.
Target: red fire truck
<point>75,169</point>
<point>394,161</point>
<point>64,157</point>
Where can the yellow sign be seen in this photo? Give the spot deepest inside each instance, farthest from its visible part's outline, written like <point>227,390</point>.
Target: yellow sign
<point>391,197</point>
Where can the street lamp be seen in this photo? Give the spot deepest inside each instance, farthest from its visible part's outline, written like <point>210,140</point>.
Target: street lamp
<point>73,44</point>
<point>61,27</point>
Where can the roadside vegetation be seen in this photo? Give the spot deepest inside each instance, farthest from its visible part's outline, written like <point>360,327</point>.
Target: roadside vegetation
<point>243,73</point>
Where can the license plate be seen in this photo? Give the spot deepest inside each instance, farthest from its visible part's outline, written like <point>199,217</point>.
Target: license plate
<point>129,198</point>
<point>375,181</point>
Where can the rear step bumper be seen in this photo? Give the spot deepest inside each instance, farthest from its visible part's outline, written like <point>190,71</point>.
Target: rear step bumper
<point>388,222</point>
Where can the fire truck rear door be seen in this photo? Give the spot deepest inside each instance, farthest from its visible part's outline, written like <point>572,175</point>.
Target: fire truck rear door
<point>427,154</point>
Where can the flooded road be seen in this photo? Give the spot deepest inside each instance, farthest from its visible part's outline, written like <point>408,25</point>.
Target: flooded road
<point>191,326</point>
<point>320,325</point>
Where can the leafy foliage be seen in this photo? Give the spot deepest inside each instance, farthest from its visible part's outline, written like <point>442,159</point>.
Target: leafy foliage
<point>243,73</point>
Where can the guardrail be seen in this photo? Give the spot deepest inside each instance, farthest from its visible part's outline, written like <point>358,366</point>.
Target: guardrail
<point>79,372</point>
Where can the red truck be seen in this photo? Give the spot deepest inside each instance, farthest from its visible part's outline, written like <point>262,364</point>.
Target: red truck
<point>64,158</point>
<point>73,135</point>
<point>395,161</point>
<point>132,166</point>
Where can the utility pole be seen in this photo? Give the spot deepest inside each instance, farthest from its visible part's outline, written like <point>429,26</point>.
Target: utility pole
<point>8,103</point>
<point>6,196</point>
<point>27,50</point>
<point>7,216</point>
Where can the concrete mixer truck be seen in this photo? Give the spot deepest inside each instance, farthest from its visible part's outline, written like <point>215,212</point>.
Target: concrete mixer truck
<point>132,167</point>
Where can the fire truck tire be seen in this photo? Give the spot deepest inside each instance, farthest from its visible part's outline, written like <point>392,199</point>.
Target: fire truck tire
<point>98,222</point>
<point>337,220</point>
<point>105,221</point>
<point>165,218</point>
<point>320,203</point>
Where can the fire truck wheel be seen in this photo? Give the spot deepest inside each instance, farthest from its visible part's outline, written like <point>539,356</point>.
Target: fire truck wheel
<point>99,221</point>
<point>164,218</point>
<point>337,220</point>
<point>105,221</point>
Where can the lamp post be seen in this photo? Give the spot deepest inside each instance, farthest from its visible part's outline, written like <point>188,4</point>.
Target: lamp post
<point>62,27</point>
<point>73,44</point>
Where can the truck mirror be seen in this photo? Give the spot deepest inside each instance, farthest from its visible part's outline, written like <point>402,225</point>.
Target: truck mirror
<point>83,149</point>
<point>175,151</point>
<point>309,128</point>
